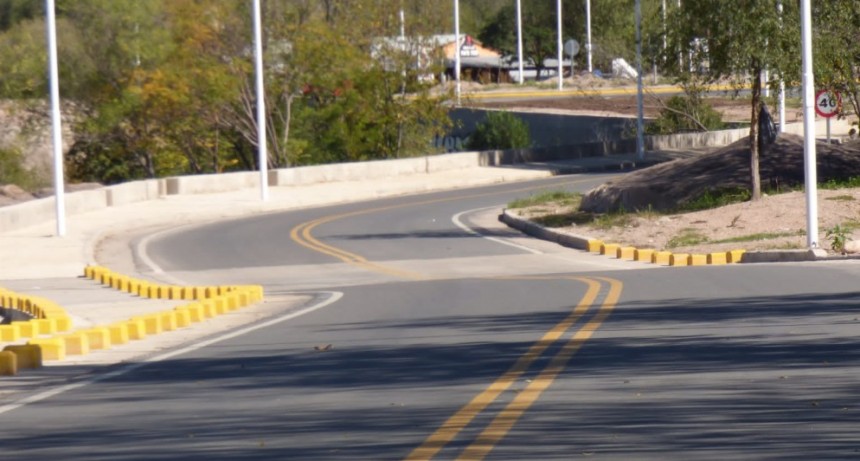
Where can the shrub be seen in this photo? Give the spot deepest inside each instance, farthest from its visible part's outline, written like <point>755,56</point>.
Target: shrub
<point>684,114</point>
<point>500,130</point>
<point>12,170</point>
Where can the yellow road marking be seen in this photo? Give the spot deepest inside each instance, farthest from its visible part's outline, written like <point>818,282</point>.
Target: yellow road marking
<point>302,234</point>
<point>505,420</point>
<point>549,93</point>
<point>467,413</point>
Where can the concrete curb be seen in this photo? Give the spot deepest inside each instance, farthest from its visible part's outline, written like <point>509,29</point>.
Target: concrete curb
<point>50,332</point>
<point>591,245</point>
<point>665,258</point>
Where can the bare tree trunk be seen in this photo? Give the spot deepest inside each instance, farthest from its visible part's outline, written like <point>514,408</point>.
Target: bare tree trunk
<point>755,177</point>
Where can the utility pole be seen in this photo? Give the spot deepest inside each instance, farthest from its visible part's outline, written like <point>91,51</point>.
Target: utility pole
<point>588,33</point>
<point>520,40</point>
<point>262,154</point>
<point>560,56</point>
<point>457,48</point>
<point>640,128</point>
<point>809,157</point>
<point>56,121</point>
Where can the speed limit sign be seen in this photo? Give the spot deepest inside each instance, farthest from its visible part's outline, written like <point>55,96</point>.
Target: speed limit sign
<point>827,103</point>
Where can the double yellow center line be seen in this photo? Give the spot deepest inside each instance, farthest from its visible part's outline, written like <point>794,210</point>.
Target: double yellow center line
<point>505,419</point>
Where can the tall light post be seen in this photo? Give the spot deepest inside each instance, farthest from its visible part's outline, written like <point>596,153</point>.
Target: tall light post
<point>781,95</point>
<point>520,40</point>
<point>262,154</point>
<point>457,48</point>
<point>640,129</point>
<point>809,157</point>
<point>588,33</point>
<point>56,121</point>
<point>560,56</point>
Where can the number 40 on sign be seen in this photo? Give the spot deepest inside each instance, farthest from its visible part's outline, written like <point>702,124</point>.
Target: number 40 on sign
<point>827,103</point>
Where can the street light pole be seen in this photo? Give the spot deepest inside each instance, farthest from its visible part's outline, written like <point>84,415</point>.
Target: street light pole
<point>588,33</point>
<point>56,121</point>
<point>457,48</point>
<point>520,40</point>
<point>640,129</point>
<point>809,157</point>
<point>560,56</point>
<point>262,154</point>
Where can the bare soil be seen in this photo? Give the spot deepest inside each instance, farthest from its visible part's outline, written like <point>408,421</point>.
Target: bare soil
<point>779,221</point>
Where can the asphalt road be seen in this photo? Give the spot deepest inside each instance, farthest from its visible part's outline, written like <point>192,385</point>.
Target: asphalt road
<point>424,340</point>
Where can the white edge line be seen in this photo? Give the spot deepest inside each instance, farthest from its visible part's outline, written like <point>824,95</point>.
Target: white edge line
<point>457,222</point>
<point>334,296</point>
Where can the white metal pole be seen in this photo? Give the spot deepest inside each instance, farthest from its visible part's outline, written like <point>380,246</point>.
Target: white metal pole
<point>457,48</point>
<point>809,156</point>
<point>781,95</point>
<point>665,39</point>
<point>588,33</point>
<point>56,121</point>
<point>680,51</point>
<point>262,155</point>
<point>640,128</point>
<point>520,40</point>
<point>560,56</point>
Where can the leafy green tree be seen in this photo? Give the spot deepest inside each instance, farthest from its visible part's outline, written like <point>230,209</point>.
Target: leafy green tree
<point>13,12</point>
<point>837,49</point>
<point>737,40</point>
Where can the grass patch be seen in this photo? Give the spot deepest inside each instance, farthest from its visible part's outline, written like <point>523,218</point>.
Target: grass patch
<point>841,198</point>
<point>715,199</point>
<point>564,219</point>
<point>787,246</point>
<point>687,237</point>
<point>760,236</point>
<point>833,184</point>
<point>558,197</point>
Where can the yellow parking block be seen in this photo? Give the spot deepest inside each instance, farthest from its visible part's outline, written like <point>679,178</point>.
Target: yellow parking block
<point>52,348</point>
<point>643,255</point>
<point>697,260</point>
<point>152,322</point>
<point>679,259</point>
<point>10,333</point>
<point>27,355</point>
<point>136,328</point>
<point>168,320</point>
<point>716,259</point>
<point>8,363</point>
<point>98,338</point>
<point>29,329</point>
<point>661,257</point>
<point>735,256</point>
<point>625,252</point>
<point>609,248</point>
<point>594,246</point>
<point>77,343</point>
<point>118,333</point>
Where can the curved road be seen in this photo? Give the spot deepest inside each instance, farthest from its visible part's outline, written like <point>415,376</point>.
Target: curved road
<point>435,333</point>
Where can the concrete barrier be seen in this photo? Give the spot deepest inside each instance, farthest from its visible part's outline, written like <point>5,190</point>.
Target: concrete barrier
<point>40,211</point>
<point>8,363</point>
<point>135,191</point>
<point>28,355</point>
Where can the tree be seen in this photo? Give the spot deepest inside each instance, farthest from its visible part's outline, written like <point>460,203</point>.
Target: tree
<point>737,40</point>
<point>837,49</point>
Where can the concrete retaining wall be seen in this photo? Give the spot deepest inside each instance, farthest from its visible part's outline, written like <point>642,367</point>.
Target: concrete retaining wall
<point>36,212</point>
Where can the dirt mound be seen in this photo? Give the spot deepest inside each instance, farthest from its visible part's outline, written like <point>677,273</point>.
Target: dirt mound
<point>672,184</point>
